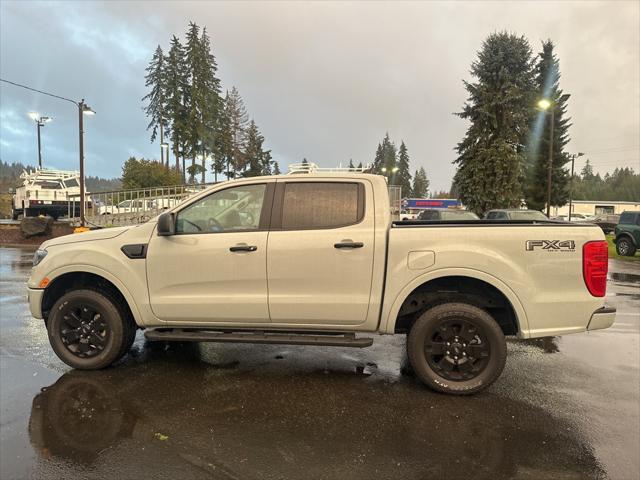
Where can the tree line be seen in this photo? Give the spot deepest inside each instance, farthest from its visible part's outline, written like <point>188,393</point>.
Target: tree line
<point>394,164</point>
<point>622,184</point>
<point>185,105</point>
<point>503,159</point>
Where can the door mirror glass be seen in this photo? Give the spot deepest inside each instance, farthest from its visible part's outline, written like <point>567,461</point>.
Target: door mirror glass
<point>166,224</point>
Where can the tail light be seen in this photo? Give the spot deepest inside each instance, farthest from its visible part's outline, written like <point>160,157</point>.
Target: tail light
<point>595,264</point>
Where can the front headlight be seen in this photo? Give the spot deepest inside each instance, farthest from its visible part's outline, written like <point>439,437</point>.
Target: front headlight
<point>39,256</point>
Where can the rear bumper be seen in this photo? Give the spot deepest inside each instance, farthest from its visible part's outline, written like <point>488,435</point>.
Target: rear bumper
<point>602,318</point>
<point>34,296</point>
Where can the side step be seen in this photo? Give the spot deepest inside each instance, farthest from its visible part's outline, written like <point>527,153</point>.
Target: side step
<point>196,335</point>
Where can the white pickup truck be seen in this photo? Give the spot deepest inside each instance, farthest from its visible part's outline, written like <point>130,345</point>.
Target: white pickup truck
<point>314,260</point>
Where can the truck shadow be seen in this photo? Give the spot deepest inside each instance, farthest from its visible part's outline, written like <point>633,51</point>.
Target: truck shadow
<point>241,414</point>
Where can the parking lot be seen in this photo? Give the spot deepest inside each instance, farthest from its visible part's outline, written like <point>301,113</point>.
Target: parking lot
<point>565,408</point>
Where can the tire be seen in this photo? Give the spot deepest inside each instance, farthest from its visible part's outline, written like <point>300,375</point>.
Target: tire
<point>456,348</point>
<point>625,247</point>
<point>89,329</point>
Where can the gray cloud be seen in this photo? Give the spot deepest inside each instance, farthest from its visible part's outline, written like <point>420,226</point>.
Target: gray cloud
<point>323,80</point>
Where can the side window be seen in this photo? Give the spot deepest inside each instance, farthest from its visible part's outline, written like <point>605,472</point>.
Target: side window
<point>492,215</point>
<point>229,210</point>
<point>502,216</point>
<point>319,205</point>
<point>626,217</point>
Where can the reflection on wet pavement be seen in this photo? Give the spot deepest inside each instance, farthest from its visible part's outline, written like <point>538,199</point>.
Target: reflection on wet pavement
<point>262,411</point>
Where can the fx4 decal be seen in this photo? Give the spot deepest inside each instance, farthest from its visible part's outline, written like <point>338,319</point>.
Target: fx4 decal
<point>551,245</point>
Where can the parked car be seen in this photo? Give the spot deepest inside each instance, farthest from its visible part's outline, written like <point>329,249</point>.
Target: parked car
<point>628,234</point>
<point>575,217</point>
<point>409,215</point>
<point>447,214</point>
<point>607,222</point>
<point>515,214</point>
<point>333,266</point>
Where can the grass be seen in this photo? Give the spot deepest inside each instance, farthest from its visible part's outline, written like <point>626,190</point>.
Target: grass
<point>614,254</point>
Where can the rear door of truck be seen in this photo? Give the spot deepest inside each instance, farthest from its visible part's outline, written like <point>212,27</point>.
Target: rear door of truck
<point>320,251</point>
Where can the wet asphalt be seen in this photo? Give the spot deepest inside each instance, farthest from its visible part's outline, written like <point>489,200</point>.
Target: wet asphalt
<point>564,408</point>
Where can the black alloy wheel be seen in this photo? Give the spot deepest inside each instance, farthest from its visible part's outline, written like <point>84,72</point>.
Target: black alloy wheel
<point>83,329</point>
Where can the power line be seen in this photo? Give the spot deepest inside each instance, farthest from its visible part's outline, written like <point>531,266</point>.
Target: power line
<point>39,91</point>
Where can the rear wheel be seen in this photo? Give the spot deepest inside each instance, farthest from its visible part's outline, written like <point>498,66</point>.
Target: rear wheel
<point>457,348</point>
<point>89,329</point>
<point>625,247</point>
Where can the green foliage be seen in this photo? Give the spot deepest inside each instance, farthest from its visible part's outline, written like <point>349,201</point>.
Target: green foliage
<point>547,81</point>
<point>420,187</point>
<point>176,84</point>
<point>276,169</point>
<point>234,133</point>
<point>403,176</point>
<point>621,185</point>
<point>491,155</point>
<point>147,173</point>
<point>156,80</point>
<point>258,160</point>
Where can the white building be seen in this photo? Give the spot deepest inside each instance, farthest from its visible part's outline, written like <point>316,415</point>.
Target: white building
<point>592,207</point>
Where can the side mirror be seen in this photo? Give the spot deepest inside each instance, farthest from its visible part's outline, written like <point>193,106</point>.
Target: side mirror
<point>166,224</point>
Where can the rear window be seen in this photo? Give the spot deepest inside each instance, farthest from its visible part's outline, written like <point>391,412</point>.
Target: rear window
<point>457,215</point>
<point>319,205</point>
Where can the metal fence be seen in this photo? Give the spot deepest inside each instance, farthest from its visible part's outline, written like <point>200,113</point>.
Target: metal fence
<point>129,207</point>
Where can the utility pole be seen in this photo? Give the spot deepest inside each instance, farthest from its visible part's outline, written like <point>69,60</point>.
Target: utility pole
<point>573,161</point>
<point>553,110</point>
<point>40,121</point>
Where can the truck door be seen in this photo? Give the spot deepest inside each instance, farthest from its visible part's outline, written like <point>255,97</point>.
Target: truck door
<point>320,252</point>
<point>214,268</point>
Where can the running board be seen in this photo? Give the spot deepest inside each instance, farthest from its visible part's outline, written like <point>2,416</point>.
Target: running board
<point>195,335</point>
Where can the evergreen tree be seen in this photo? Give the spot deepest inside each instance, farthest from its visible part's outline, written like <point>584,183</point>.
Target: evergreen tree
<point>202,98</point>
<point>176,83</point>
<point>491,155</point>
<point>234,133</point>
<point>257,160</point>
<point>156,80</point>
<point>360,166</point>
<point>351,165</point>
<point>403,175</point>
<point>276,168</point>
<point>547,86</point>
<point>420,184</point>
<point>304,161</point>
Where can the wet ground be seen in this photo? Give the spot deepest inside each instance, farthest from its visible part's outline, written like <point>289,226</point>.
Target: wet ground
<point>564,408</point>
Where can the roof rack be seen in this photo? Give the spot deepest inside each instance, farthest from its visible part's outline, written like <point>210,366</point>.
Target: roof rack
<point>309,167</point>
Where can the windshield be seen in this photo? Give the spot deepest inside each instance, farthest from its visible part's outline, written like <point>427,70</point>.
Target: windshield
<point>527,215</point>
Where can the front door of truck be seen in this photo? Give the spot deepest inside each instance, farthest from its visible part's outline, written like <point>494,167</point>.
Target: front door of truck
<point>213,269</point>
<point>320,253</point>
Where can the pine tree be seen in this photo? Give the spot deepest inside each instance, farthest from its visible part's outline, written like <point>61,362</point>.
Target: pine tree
<point>156,108</point>
<point>420,184</point>
<point>234,133</point>
<point>176,83</point>
<point>276,168</point>
<point>403,175</point>
<point>491,155</point>
<point>351,165</point>
<point>257,160</point>
<point>547,86</point>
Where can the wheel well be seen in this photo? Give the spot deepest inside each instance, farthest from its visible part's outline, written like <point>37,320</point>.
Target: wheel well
<point>625,235</point>
<point>75,280</point>
<point>457,289</point>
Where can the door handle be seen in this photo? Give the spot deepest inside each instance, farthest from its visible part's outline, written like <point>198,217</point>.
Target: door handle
<point>243,248</point>
<point>348,244</point>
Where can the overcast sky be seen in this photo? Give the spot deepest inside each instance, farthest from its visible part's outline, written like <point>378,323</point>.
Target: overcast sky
<point>323,81</point>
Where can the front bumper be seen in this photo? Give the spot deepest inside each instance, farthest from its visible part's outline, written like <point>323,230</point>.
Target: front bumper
<point>602,318</point>
<point>34,296</point>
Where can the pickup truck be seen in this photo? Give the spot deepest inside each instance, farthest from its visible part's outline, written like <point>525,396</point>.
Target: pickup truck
<point>315,259</point>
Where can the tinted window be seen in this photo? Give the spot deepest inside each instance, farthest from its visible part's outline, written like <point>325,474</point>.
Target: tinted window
<point>320,205</point>
<point>457,215</point>
<point>528,215</point>
<point>492,215</point>
<point>627,217</point>
<point>232,209</point>
<point>429,215</point>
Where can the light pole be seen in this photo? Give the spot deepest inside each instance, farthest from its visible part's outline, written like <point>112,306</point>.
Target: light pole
<point>573,161</point>
<point>549,105</point>
<point>83,109</point>
<point>40,121</point>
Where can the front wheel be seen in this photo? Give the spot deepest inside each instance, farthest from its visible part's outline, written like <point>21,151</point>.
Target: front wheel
<point>625,247</point>
<point>457,348</point>
<point>89,329</point>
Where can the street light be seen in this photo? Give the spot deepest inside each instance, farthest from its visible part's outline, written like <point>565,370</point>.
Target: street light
<point>40,121</point>
<point>83,109</point>
<point>573,160</point>
<point>545,105</point>
<point>392,170</point>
